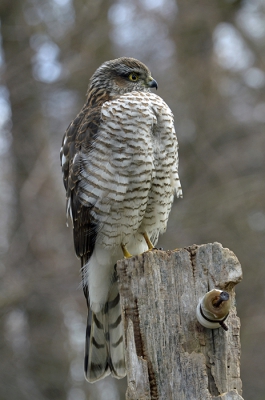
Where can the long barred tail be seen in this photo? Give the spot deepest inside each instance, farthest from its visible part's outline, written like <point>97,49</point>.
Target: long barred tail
<point>104,351</point>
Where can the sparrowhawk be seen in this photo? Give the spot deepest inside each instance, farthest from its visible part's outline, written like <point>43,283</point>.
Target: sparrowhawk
<point>119,159</point>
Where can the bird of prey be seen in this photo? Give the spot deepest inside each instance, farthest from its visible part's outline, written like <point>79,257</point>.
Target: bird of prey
<point>119,159</point>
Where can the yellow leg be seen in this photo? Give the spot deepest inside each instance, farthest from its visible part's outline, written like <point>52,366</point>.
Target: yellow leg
<point>125,252</point>
<point>148,241</point>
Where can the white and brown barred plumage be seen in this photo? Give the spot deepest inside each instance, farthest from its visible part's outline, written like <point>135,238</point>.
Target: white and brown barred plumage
<point>120,169</point>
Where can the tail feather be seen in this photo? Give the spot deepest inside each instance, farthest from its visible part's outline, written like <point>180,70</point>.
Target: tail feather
<point>104,352</point>
<point>96,363</point>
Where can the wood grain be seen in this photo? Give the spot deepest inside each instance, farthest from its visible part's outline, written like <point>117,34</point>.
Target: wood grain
<point>169,355</point>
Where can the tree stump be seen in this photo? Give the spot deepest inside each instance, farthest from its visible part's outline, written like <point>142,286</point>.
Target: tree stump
<point>169,355</point>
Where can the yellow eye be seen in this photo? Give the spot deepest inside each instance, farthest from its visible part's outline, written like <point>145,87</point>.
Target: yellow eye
<point>133,77</point>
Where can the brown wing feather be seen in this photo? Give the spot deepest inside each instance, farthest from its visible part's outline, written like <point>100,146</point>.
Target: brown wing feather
<point>78,138</point>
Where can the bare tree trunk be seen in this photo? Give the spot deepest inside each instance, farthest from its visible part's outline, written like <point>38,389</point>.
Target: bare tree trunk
<point>169,354</point>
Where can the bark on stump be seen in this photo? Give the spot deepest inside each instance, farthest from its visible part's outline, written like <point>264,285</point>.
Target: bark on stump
<point>169,355</point>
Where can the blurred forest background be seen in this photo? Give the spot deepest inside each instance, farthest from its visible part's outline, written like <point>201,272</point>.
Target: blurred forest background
<point>209,60</point>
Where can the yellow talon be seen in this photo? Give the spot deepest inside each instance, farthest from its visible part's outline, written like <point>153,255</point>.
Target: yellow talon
<point>148,241</point>
<point>125,251</point>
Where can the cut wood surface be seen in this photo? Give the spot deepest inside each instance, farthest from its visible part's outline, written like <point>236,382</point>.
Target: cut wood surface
<point>169,355</point>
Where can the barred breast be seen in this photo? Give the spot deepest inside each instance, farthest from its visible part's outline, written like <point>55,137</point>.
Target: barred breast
<point>131,173</point>
<point>165,182</point>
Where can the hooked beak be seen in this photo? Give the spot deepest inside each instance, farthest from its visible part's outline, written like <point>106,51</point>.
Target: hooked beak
<point>152,83</point>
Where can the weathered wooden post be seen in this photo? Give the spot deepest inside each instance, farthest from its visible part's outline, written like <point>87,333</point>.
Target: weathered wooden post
<point>169,355</point>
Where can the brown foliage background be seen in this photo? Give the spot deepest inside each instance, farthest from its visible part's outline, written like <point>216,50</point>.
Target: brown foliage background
<point>208,59</point>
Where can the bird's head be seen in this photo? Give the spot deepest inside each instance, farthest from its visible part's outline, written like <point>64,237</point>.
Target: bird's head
<point>123,75</point>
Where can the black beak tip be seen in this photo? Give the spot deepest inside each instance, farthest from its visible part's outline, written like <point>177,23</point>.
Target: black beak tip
<point>153,84</point>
